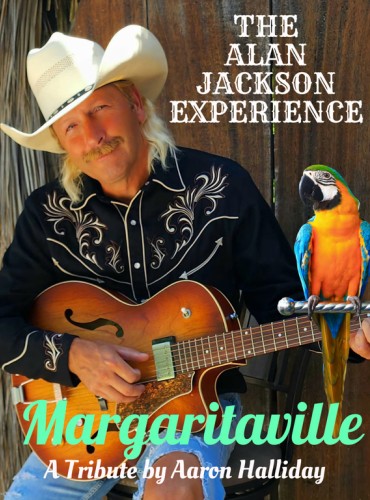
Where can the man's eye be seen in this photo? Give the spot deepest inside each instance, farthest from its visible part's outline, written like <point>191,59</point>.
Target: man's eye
<point>70,127</point>
<point>99,108</point>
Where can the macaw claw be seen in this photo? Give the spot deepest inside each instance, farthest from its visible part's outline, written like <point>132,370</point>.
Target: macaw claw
<point>312,302</point>
<point>356,302</point>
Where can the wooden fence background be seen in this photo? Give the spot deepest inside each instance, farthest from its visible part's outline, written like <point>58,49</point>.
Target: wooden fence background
<point>196,37</point>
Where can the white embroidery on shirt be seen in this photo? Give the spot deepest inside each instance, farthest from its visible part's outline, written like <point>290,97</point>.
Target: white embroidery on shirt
<point>181,212</point>
<point>114,251</point>
<point>53,350</point>
<point>158,253</point>
<point>86,224</point>
<point>218,243</point>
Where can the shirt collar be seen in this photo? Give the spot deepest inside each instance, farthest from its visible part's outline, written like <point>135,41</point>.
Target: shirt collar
<point>170,177</point>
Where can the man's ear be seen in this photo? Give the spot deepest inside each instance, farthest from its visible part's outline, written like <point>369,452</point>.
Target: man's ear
<point>137,103</point>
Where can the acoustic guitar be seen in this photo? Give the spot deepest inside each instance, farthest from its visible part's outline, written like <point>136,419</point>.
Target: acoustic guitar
<point>192,335</point>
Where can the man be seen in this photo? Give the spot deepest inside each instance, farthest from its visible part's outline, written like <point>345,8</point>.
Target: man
<point>360,340</point>
<point>130,213</point>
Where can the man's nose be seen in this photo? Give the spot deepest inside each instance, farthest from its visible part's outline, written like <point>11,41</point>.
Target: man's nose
<point>94,133</point>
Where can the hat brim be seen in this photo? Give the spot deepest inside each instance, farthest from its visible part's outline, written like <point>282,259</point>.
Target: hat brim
<point>133,54</point>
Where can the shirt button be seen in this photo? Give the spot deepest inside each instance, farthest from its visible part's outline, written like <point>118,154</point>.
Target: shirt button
<point>137,265</point>
<point>133,222</point>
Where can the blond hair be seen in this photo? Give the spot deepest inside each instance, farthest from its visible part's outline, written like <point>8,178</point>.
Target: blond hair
<point>155,132</point>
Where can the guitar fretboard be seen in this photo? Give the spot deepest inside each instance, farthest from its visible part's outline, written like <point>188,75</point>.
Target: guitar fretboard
<point>236,345</point>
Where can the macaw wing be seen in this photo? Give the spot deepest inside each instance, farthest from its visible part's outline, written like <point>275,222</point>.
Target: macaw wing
<point>365,254</point>
<point>303,250</point>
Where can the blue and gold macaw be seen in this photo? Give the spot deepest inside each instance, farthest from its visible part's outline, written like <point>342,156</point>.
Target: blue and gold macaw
<point>332,251</point>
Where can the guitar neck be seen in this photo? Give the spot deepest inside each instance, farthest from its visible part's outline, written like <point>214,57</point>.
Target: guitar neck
<point>228,347</point>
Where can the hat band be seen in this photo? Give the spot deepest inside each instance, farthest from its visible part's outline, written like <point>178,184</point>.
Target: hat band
<point>70,100</point>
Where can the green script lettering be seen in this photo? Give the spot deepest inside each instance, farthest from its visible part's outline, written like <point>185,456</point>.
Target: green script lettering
<point>39,421</point>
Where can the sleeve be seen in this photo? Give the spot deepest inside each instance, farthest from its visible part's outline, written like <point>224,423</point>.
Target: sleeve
<point>265,262</point>
<point>28,270</point>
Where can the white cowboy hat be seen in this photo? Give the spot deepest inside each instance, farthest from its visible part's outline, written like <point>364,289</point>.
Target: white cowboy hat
<point>66,70</point>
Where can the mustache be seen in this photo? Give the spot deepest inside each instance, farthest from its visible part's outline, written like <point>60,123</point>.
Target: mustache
<point>106,148</point>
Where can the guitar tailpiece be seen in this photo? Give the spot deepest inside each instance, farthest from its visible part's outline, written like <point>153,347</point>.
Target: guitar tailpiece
<point>17,395</point>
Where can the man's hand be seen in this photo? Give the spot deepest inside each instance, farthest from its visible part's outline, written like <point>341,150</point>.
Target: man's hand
<point>360,341</point>
<point>105,371</point>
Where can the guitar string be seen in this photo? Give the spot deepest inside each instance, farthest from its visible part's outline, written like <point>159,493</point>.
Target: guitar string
<point>277,337</point>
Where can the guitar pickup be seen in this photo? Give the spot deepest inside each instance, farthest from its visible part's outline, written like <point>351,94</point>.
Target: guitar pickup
<point>163,358</point>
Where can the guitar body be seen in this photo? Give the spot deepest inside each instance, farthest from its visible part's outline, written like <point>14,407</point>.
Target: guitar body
<point>185,311</point>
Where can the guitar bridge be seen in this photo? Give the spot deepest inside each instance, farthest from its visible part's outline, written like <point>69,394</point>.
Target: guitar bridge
<point>163,358</point>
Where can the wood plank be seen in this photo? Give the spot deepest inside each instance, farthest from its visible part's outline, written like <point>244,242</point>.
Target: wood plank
<point>196,38</point>
<point>336,34</point>
<point>99,20</point>
<point>346,467</point>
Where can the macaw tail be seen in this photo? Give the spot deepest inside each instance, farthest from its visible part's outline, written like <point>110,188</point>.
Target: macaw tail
<point>335,355</point>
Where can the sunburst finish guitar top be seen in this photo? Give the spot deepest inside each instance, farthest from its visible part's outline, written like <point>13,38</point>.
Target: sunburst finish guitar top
<point>191,334</point>
<point>180,321</point>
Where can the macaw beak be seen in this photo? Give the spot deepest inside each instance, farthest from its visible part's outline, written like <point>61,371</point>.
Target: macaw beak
<point>309,192</point>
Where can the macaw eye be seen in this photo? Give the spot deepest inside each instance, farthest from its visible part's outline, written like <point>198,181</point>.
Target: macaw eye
<point>323,176</point>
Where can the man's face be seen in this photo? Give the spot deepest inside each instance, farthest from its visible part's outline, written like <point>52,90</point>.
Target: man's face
<point>103,138</point>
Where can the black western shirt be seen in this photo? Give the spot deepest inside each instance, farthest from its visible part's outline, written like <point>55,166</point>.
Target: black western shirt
<point>202,219</point>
